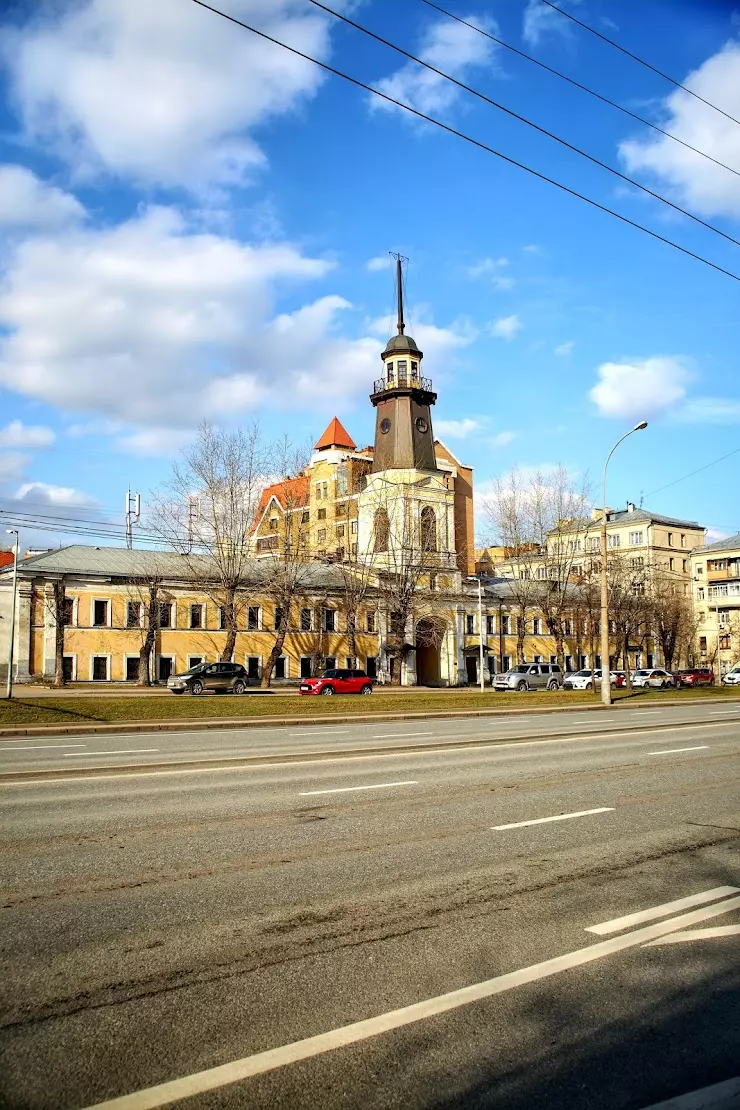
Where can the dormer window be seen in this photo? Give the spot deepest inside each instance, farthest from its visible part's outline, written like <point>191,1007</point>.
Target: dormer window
<point>414,371</point>
<point>389,372</point>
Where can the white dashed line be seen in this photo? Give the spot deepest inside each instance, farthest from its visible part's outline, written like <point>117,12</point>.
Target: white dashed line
<point>558,817</point>
<point>351,789</point>
<point>672,751</point>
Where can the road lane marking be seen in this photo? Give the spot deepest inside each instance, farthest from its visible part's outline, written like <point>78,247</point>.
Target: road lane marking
<point>558,817</point>
<point>672,751</point>
<point>262,1062</point>
<point>697,934</point>
<point>618,924</point>
<point>399,735</point>
<point>351,789</point>
<point>37,747</point>
<point>117,751</point>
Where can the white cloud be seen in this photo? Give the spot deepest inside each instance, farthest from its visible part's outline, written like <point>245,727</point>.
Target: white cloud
<point>539,21</point>
<point>491,268</point>
<point>566,348</point>
<point>28,202</point>
<point>380,262</point>
<point>457,429</point>
<point>450,47</point>
<point>155,325</point>
<point>165,93</point>
<point>438,344</point>
<point>17,434</point>
<point>155,442</point>
<point>640,389</point>
<point>692,180</point>
<point>532,248</point>
<point>65,497</point>
<point>12,465</point>
<point>506,327</point>
<point>709,410</point>
<point>714,535</point>
<point>503,439</point>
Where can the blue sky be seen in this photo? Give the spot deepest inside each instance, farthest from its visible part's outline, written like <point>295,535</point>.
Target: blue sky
<point>195,224</point>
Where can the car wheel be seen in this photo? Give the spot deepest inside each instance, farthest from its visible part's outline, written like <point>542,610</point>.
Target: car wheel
<point>366,690</point>
<point>239,687</point>
<point>552,686</point>
<point>589,685</point>
<point>327,691</point>
<point>196,688</point>
<point>521,687</point>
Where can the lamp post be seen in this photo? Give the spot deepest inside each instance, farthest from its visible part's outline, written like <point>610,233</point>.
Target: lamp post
<point>606,675</point>
<point>11,645</point>
<point>475,578</point>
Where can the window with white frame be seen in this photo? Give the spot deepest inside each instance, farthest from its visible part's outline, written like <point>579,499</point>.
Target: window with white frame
<point>100,613</point>
<point>134,614</point>
<point>370,622</point>
<point>490,625</point>
<point>329,620</point>
<point>100,668</point>
<point>197,616</point>
<point>614,540</point>
<point>536,626</point>
<point>469,624</point>
<point>636,539</point>
<point>306,620</point>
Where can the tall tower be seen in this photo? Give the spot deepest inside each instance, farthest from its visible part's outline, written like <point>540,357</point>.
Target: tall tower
<point>402,399</point>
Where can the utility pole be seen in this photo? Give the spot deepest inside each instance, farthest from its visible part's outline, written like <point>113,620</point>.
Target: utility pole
<point>476,578</point>
<point>13,532</point>
<point>133,512</point>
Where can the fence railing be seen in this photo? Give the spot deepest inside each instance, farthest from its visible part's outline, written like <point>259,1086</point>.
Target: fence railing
<point>405,381</point>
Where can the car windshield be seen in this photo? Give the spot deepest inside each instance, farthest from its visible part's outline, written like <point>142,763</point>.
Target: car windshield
<point>197,668</point>
<point>330,674</point>
<point>642,673</point>
<point>523,668</point>
<point>583,674</point>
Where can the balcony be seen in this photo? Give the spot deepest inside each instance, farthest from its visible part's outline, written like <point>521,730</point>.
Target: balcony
<point>404,382</point>
<point>729,589</point>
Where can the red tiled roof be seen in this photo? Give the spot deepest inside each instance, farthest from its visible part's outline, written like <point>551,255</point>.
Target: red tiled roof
<point>6,558</point>
<point>291,493</point>
<point>335,436</point>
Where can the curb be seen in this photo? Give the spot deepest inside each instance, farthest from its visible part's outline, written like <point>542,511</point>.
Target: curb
<point>317,755</point>
<point>202,723</point>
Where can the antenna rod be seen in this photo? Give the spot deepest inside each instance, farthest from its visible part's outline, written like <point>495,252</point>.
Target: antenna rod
<point>399,280</point>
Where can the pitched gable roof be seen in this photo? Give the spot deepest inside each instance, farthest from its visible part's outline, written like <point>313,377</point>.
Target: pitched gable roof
<point>291,493</point>
<point>335,436</point>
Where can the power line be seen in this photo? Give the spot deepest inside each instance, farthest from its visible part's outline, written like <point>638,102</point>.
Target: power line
<point>579,85</point>
<point>524,120</point>
<point>469,139</point>
<point>693,472</point>
<point>637,58</point>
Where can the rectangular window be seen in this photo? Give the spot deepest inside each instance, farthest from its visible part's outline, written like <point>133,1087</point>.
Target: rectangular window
<point>506,627</point>
<point>342,483</point>
<point>196,616</point>
<point>683,565</point>
<point>329,663</point>
<point>537,658</point>
<point>402,371</point>
<point>100,614</point>
<point>330,620</point>
<point>703,644</point>
<point>671,564</point>
<point>253,618</point>
<point>670,539</point>
<point>165,667</point>
<point>594,543</point>
<point>100,668</point>
<point>278,617</point>
<point>353,548</point>
<point>469,624</point>
<point>321,514</point>
<point>340,531</point>
<point>165,614</point>
<point>305,516</point>
<point>253,666</point>
<point>353,527</point>
<point>306,666</point>
<point>637,563</point>
<point>132,668</point>
<point>700,593</point>
<point>614,540</point>
<point>221,617</point>
<point>306,621</point>
<point>505,662</point>
<point>371,666</point>
<point>568,626</point>
<point>491,665</point>
<point>194,661</point>
<point>321,535</point>
<point>683,539</point>
<point>699,568</point>
<point>536,627</point>
<point>635,539</point>
<point>553,659</point>
<point>133,614</point>
<point>68,611</point>
<point>370,622</point>
<point>341,510</point>
<point>490,626</point>
<point>568,663</point>
<point>280,667</point>
<point>389,373</point>
<point>414,371</point>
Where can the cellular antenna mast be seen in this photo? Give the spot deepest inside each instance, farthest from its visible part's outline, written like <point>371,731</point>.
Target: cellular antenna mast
<point>400,259</point>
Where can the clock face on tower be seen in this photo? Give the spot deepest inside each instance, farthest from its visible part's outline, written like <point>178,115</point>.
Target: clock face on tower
<point>422,424</point>
<point>385,426</point>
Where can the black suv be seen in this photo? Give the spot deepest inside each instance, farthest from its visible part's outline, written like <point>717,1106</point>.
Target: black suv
<point>222,678</point>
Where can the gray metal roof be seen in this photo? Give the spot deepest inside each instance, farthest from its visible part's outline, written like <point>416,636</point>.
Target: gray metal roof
<point>630,516</point>
<point>402,344</point>
<point>732,543</point>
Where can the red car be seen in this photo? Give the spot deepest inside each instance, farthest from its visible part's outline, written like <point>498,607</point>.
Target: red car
<point>694,676</point>
<point>338,681</point>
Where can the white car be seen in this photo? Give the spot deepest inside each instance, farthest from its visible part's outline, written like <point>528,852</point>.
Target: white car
<point>732,678</point>
<point>584,679</point>
<point>657,677</point>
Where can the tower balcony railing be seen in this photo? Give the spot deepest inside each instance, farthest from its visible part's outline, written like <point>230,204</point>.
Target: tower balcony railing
<point>404,381</point>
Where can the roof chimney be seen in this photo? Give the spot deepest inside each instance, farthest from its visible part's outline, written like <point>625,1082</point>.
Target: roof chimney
<point>630,507</point>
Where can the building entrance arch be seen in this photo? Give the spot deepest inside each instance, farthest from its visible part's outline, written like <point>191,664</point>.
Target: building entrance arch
<point>430,632</point>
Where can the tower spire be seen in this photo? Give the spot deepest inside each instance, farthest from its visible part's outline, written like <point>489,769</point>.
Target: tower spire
<point>399,287</point>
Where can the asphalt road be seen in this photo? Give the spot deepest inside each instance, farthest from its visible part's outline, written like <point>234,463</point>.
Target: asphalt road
<point>166,919</point>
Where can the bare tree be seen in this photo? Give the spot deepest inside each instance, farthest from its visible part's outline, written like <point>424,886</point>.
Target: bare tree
<point>207,512</point>
<point>673,618</point>
<point>59,607</point>
<point>143,612</point>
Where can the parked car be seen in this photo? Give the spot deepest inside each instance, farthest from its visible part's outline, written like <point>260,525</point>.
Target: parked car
<point>222,678</point>
<point>530,676</point>
<point>658,677</point>
<point>732,677</point>
<point>338,681</point>
<point>585,678</point>
<point>694,676</point>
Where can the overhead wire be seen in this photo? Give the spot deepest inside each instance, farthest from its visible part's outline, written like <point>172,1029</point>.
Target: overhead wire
<point>469,139</point>
<point>693,472</point>
<point>525,120</point>
<point>637,58</point>
<point>579,85</point>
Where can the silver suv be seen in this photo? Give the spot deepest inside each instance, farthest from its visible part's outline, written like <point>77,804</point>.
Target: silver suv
<point>530,676</point>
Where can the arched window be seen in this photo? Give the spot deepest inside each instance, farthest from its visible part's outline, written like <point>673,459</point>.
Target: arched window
<point>381,528</point>
<point>428,529</point>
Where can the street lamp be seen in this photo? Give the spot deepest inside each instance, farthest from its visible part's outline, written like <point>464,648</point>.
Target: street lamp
<point>606,674</point>
<point>12,532</point>
<point>475,578</point>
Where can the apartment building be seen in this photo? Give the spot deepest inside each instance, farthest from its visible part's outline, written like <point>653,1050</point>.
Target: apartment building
<point>715,580</point>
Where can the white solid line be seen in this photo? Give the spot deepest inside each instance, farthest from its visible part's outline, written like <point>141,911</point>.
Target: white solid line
<point>399,735</point>
<point>620,923</point>
<point>558,817</point>
<point>351,789</point>
<point>672,751</point>
<point>36,747</point>
<point>720,1096</point>
<point>697,934</point>
<point>213,1078</point>
<point>118,751</point>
